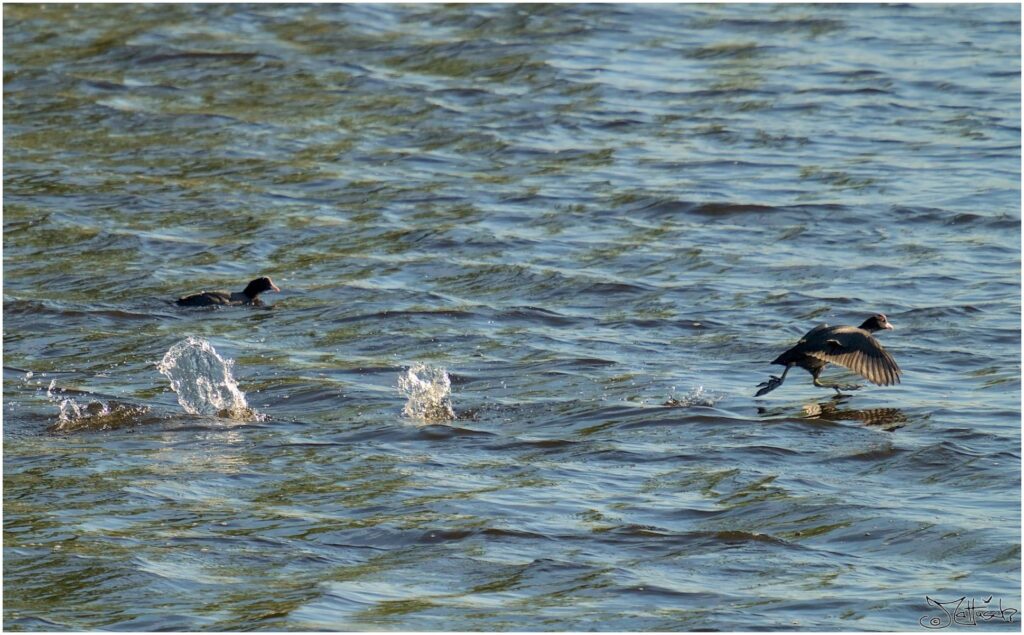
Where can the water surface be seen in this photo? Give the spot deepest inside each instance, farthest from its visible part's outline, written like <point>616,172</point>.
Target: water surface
<point>582,212</point>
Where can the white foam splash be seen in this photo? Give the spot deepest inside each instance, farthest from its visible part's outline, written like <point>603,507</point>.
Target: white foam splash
<point>203,381</point>
<point>428,394</point>
<point>96,414</point>
<point>70,410</point>
<point>696,397</point>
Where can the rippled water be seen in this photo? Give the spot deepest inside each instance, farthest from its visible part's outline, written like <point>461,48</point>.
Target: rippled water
<point>603,221</point>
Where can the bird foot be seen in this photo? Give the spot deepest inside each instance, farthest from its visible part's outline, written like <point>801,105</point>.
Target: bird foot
<point>768,386</point>
<point>839,388</point>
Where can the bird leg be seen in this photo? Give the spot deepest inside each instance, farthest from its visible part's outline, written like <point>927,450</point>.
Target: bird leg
<point>838,387</point>
<point>771,384</point>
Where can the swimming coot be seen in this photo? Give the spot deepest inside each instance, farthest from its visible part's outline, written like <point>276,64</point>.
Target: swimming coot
<point>248,296</point>
<point>853,347</point>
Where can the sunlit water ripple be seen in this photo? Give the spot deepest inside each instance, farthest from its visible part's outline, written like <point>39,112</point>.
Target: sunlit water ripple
<point>602,221</point>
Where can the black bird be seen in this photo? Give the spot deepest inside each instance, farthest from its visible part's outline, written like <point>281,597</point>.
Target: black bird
<point>853,347</point>
<point>248,296</point>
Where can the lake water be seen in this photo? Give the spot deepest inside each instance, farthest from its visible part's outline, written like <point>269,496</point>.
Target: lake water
<point>581,213</point>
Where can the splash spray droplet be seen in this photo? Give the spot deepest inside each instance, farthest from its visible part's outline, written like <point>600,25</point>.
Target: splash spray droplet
<point>696,397</point>
<point>203,381</point>
<point>428,394</point>
<point>95,414</point>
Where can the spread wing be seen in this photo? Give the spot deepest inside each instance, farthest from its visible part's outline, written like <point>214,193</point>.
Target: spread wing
<point>859,351</point>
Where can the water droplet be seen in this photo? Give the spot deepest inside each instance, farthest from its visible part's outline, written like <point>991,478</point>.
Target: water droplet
<point>428,393</point>
<point>202,380</point>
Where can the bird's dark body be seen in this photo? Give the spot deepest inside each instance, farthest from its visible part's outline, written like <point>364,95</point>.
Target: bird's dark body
<point>797,356</point>
<point>810,364</point>
<point>248,296</point>
<point>215,298</point>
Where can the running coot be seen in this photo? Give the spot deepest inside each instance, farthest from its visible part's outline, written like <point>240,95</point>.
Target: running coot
<point>250,295</point>
<point>853,347</point>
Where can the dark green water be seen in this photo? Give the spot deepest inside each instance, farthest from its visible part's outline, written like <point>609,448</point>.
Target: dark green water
<point>579,211</point>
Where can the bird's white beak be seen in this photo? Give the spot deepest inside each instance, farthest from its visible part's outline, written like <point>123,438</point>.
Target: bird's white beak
<point>889,326</point>
<point>273,287</point>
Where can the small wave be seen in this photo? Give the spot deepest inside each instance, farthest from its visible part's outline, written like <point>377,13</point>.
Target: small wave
<point>187,56</point>
<point>439,432</point>
<point>538,315</point>
<point>94,414</point>
<point>655,207</point>
<point>428,394</point>
<point>203,381</point>
<point>406,315</point>
<point>696,397</point>
<point>728,50</point>
<point>941,216</point>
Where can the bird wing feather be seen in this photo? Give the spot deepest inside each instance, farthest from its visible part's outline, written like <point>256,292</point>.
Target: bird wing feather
<point>859,351</point>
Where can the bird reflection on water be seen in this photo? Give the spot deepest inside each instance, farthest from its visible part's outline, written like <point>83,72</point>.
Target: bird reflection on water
<point>884,418</point>
<point>888,419</point>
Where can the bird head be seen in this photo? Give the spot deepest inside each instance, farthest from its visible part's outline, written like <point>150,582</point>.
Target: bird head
<point>877,323</point>
<point>258,286</point>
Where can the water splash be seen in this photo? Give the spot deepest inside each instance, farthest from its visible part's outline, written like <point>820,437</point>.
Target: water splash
<point>94,414</point>
<point>696,397</point>
<point>203,381</point>
<point>70,410</point>
<point>428,394</point>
